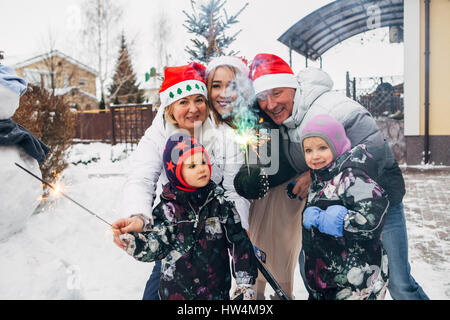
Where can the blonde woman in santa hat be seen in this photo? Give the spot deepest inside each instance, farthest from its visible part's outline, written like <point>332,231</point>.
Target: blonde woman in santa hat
<point>184,107</point>
<point>229,89</point>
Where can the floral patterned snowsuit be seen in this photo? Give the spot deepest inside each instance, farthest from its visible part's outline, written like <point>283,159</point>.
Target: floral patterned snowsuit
<point>354,266</point>
<point>192,234</point>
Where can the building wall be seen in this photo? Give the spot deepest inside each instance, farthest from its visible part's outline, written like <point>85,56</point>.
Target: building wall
<point>439,67</point>
<point>439,87</point>
<point>63,68</point>
<point>80,101</point>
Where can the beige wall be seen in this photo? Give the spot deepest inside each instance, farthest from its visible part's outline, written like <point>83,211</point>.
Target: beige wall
<point>81,101</point>
<point>439,93</point>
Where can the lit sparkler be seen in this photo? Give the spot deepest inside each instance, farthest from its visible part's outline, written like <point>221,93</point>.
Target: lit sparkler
<point>57,191</point>
<point>248,137</point>
<point>245,119</point>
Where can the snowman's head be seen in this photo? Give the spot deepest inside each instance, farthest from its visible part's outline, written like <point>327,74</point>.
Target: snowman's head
<point>11,88</point>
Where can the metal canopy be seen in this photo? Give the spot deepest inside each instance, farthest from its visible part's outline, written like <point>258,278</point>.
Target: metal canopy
<point>338,21</point>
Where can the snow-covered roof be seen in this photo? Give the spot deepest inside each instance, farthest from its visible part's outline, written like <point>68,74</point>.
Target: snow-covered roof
<point>55,53</point>
<point>337,21</point>
<point>63,91</point>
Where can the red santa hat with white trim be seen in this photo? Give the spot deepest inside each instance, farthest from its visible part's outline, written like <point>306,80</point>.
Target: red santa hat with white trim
<point>269,71</point>
<point>182,81</point>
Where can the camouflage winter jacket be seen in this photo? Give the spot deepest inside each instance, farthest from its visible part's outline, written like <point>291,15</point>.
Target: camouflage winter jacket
<point>353,266</point>
<point>192,234</point>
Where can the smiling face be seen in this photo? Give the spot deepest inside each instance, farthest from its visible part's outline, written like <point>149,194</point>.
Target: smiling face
<point>277,103</point>
<point>222,91</point>
<point>317,152</point>
<point>195,170</point>
<point>189,112</point>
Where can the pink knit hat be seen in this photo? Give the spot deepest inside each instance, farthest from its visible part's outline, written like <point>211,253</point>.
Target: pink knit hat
<point>329,129</point>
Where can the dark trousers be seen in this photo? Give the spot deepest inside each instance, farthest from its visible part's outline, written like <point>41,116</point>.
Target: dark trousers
<point>151,288</point>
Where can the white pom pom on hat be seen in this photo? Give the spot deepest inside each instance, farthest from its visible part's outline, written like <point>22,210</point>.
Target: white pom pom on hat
<point>237,62</point>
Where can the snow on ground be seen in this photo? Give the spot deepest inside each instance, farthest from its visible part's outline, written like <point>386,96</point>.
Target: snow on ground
<point>88,263</point>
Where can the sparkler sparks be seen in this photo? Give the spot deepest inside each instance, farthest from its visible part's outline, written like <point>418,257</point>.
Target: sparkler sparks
<point>248,137</point>
<point>58,188</point>
<point>245,119</point>
<point>63,194</point>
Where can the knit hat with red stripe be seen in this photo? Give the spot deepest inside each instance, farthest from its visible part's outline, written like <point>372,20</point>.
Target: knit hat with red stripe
<point>182,81</point>
<point>178,148</point>
<point>269,71</point>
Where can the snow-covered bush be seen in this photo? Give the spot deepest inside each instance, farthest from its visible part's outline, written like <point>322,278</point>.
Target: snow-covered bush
<point>49,119</point>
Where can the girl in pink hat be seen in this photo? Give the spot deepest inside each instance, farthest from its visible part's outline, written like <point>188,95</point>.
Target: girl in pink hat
<point>344,217</point>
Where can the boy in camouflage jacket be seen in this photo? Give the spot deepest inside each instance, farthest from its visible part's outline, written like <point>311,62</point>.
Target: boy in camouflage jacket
<point>193,229</point>
<point>344,217</point>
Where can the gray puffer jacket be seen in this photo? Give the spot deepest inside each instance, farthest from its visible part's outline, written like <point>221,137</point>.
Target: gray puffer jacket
<point>313,97</point>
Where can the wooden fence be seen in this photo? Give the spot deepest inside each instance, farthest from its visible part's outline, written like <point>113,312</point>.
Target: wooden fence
<point>117,124</point>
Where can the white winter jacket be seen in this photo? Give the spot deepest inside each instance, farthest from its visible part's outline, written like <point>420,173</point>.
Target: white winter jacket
<point>146,165</point>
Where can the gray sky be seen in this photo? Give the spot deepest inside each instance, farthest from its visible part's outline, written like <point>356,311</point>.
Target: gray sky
<point>26,24</point>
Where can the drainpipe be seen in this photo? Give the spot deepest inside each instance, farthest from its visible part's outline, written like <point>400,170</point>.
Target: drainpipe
<point>427,81</point>
<point>290,53</point>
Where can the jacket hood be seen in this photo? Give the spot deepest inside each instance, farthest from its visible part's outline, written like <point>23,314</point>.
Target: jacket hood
<point>356,158</point>
<point>313,82</point>
<point>197,198</point>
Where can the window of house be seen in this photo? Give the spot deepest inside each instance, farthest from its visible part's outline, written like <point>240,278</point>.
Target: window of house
<point>82,81</point>
<point>66,80</point>
<point>38,77</point>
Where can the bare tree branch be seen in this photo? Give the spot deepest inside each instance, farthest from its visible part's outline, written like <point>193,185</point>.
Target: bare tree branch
<point>102,19</point>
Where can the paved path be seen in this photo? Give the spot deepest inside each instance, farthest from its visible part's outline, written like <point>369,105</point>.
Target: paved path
<point>427,204</point>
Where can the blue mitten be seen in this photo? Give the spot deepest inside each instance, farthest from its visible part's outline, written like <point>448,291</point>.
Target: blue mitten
<point>331,221</point>
<point>311,217</point>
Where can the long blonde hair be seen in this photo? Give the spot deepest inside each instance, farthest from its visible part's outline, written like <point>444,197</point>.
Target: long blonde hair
<point>217,116</point>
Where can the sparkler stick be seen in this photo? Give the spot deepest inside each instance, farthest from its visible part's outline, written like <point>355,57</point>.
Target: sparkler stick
<point>246,159</point>
<point>64,195</point>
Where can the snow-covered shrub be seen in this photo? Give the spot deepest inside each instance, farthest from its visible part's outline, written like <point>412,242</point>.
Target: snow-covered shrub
<point>49,119</point>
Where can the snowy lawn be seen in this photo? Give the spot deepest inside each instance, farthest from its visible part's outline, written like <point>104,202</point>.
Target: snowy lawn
<point>66,253</point>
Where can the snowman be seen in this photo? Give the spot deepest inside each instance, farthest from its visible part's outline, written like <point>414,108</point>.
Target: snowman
<point>31,269</point>
<point>20,193</point>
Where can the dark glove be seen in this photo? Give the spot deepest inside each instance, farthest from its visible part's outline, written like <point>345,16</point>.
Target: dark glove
<point>289,189</point>
<point>251,186</point>
<point>331,221</point>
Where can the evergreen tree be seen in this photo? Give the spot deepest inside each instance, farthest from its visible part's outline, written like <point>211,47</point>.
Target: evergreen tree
<point>210,26</point>
<point>124,88</point>
<point>102,105</point>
